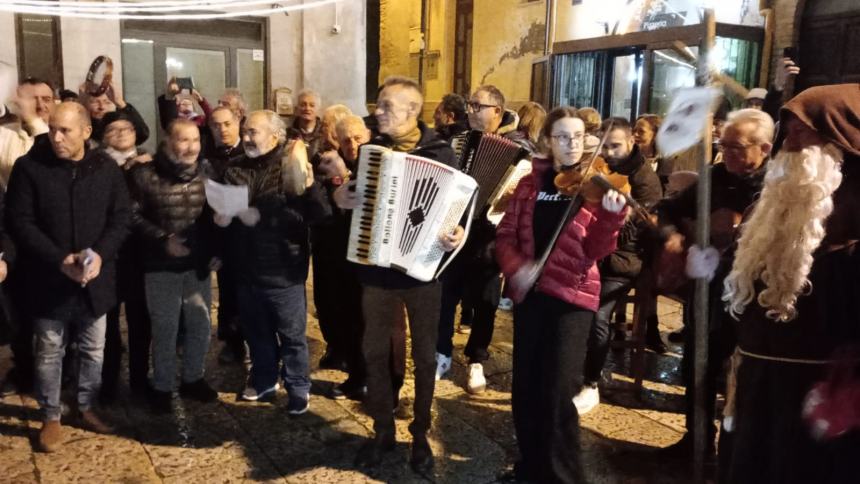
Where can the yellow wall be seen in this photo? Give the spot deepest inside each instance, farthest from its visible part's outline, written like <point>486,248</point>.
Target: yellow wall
<point>508,35</point>
<point>397,17</point>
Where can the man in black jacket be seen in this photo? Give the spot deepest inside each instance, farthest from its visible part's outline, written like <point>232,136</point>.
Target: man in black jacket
<point>112,100</point>
<point>385,290</point>
<point>271,253</point>
<point>618,270</point>
<point>68,215</point>
<point>177,240</point>
<point>224,150</point>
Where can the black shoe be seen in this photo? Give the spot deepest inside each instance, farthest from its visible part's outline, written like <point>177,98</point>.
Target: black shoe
<point>370,454</point>
<point>422,456</point>
<point>198,390</point>
<point>331,361</point>
<point>160,402</point>
<point>108,395</point>
<point>297,404</point>
<point>349,391</point>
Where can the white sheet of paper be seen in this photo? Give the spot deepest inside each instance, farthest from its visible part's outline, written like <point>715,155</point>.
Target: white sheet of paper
<point>229,200</point>
<point>683,125</point>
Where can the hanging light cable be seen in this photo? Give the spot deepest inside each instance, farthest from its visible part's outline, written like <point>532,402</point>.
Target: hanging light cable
<point>139,7</point>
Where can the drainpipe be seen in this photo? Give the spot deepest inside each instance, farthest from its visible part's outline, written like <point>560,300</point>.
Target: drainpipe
<point>550,26</point>
<point>767,47</point>
<point>423,50</point>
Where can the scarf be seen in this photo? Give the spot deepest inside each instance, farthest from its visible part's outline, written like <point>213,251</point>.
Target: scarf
<point>407,142</point>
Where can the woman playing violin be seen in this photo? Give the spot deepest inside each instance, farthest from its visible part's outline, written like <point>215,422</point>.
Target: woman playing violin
<point>552,319</point>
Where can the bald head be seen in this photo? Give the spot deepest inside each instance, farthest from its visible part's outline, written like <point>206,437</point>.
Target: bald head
<point>70,128</point>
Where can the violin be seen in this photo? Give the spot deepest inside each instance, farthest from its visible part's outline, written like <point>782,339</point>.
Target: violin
<point>571,182</point>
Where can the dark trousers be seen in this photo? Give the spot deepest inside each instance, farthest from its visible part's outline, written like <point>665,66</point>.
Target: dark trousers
<point>21,344</point>
<point>611,291</point>
<point>229,327</point>
<point>139,339</point>
<point>549,350</point>
<point>274,320</point>
<point>337,297</point>
<point>381,313</point>
<point>477,284</point>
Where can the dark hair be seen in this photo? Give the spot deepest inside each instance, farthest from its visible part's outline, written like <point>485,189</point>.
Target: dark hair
<point>454,104</point>
<point>617,123</point>
<point>560,112</point>
<point>494,93</point>
<point>67,95</point>
<point>35,81</point>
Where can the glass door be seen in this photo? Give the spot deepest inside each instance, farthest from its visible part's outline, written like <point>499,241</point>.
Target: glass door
<point>626,81</point>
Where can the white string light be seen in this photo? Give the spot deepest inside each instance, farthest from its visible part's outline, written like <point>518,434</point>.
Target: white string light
<point>115,14</point>
<point>139,7</point>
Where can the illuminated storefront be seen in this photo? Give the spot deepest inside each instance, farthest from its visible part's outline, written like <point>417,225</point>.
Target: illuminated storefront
<point>627,57</point>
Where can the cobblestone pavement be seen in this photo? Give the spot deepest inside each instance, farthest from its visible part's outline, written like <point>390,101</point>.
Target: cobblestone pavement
<point>232,441</point>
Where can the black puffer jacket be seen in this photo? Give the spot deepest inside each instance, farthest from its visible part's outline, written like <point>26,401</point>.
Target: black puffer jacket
<point>56,207</point>
<point>275,251</point>
<point>168,199</point>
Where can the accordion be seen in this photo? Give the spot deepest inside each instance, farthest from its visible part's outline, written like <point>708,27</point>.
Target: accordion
<point>498,201</point>
<point>487,158</point>
<point>408,201</point>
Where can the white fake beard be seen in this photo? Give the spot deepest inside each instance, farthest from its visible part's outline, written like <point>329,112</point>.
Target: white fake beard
<point>784,230</point>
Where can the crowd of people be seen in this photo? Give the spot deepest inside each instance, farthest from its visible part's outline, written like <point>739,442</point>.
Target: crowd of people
<point>93,224</point>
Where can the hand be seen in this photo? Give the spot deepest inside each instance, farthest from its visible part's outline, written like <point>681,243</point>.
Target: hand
<point>250,217</point>
<point>674,244</point>
<point>82,91</point>
<point>4,270</point>
<point>91,263</point>
<point>70,267</point>
<point>789,68</point>
<point>613,201</point>
<point>172,88</point>
<point>26,108</point>
<point>453,240</point>
<point>138,160</point>
<point>175,246</point>
<point>196,95</point>
<point>345,198</point>
<point>702,263</point>
<point>222,220</point>
<point>114,93</point>
<point>309,169</point>
<point>215,264</point>
<point>524,279</point>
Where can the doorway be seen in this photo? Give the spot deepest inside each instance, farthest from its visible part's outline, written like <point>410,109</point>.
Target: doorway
<point>214,54</point>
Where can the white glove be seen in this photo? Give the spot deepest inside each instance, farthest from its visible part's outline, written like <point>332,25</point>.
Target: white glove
<point>250,217</point>
<point>702,263</point>
<point>613,201</point>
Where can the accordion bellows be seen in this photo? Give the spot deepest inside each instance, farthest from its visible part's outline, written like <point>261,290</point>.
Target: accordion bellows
<point>408,202</point>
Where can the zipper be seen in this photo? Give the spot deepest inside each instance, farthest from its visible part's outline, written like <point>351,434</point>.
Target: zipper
<point>72,207</point>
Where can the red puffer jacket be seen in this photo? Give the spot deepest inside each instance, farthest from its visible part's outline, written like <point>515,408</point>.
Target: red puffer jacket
<point>571,272</point>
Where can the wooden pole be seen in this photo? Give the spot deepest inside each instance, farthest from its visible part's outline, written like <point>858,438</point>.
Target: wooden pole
<point>703,226</point>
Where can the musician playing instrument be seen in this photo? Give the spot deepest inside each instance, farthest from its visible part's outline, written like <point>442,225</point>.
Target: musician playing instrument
<point>385,290</point>
<point>736,183</point>
<point>619,270</point>
<point>474,276</point>
<point>552,319</point>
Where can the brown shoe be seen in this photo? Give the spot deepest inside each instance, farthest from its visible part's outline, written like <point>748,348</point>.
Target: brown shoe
<point>51,436</point>
<point>92,422</point>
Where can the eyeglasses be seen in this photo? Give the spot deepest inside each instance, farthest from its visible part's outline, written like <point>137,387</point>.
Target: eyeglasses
<point>474,107</point>
<point>736,147</point>
<point>121,130</point>
<point>566,139</point>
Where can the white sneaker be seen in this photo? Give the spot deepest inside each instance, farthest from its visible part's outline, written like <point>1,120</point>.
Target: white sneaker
<point>477,383</point>
<point>506,304</point>
<point>443,364</point>
<point>587,399</point>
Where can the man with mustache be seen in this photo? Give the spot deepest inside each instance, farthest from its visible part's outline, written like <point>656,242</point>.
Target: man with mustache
<point>794,289</point>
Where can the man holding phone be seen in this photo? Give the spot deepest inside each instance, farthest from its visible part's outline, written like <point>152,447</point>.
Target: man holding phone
<point>67,212</point>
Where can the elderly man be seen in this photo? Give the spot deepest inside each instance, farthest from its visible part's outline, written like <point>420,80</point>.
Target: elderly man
<point>270,251</point>
<point>112,100</point>
<point>68,215</point>
<point>233,99</point>
<point>794,289</point>
<point>224,151</point>
<point>386,290</point>
<point>120,143</point>
<point>337,294</point>
<point>746,146</point>
<point>475,277</point>
<point>175,226</point>
<point>307,125</point>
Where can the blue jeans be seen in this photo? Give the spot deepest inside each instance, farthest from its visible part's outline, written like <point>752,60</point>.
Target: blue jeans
<point>51,341</point>
<point>273,323</point>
